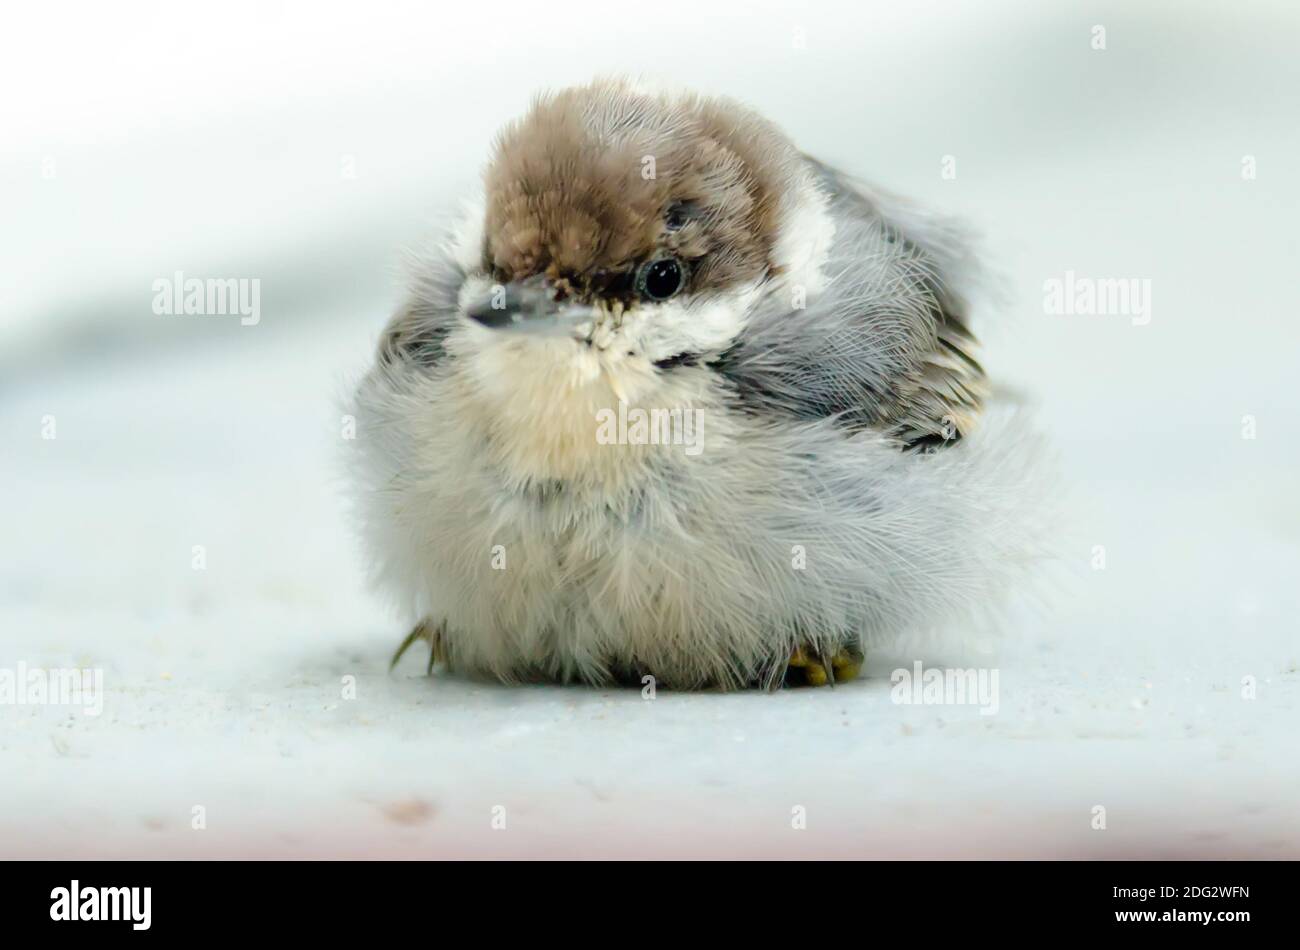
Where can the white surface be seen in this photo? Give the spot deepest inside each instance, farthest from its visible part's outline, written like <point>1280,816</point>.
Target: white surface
<point>224,686</point>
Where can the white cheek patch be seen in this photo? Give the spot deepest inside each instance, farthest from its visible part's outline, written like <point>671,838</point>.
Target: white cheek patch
<point>677,326</point>
<point>804,239</point>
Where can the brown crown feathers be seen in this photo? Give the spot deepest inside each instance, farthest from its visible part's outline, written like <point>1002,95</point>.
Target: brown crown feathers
<point>594,180</point>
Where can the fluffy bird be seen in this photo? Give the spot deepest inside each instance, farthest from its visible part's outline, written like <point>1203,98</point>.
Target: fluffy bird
<point>677,400</point>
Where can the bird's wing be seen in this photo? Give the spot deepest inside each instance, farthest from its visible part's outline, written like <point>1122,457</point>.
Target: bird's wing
<point>885,345</point>
<point>940,396</point>
<point>416,333</point>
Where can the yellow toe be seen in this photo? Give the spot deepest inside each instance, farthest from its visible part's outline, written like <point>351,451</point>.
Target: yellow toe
<point>816,674</point>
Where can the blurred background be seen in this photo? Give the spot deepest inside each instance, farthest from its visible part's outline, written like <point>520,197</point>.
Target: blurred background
<point>304,145</point>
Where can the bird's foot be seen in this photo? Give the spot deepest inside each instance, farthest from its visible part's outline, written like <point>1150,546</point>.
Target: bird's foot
<point>807,668</point>
<point>424,630</point>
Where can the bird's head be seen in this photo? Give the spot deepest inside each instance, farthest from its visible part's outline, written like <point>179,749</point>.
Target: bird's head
<point>626,233</point>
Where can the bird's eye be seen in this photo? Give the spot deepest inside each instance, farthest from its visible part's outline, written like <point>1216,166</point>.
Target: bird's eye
<point>661,278</point>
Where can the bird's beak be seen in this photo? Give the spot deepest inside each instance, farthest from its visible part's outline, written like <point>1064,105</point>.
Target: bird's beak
<point>524,306</point>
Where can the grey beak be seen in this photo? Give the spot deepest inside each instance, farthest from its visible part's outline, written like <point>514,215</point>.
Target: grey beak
<point>519,305</point>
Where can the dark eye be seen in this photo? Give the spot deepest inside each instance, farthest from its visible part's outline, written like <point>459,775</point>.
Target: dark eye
<point>660,279</point>
<point>676,217</point>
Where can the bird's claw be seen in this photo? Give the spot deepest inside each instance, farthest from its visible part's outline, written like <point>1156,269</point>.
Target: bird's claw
<point>808,669</point>
<point>421,631</point>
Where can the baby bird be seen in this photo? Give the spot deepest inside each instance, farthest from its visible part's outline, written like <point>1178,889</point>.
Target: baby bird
<point>679,401</point>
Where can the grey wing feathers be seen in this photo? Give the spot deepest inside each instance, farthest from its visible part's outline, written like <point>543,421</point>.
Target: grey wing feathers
<point>937,397</point>
<point>417,332</point>
<point>942,399</point>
